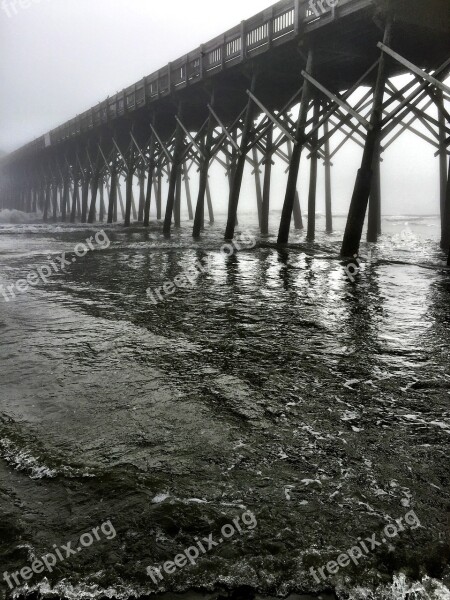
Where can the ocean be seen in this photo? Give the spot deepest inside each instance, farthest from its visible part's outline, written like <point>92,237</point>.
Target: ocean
<point>279,402</point>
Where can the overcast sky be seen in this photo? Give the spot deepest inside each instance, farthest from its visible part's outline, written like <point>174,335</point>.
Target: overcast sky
<point>60,57</point>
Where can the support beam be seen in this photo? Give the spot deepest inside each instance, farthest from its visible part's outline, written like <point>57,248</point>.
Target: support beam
<point>209,202</point>
<point>360,198</point>
<point>65,198</point>
<point>94,193</point>
<point>55,201</point>
<point>445,241</point>
<point>268,163</point>
<point>47,202</point>
<point>129,196</point>
<point>259,196</point>
<point>286,215</point>
<point>442,167</point>
<point>178,149</point>
<point>328,200</point>
<point>159,195</point>
<point>240,164</point>
<point>75,199</point>
<point>84,199</point>
<point>102,200</point>
<point>373,224</point>
<point>297,213</point>
<point>336,100</point>
<point>141,196</point>
<point>119,190</point>
<point>112,203</point>
<point>411,67</point>
<point>187,189</point>
<point>177,206</point>
<point>272,117</point>
<point>205,159</point>
<point>151,172</point>
<point>313,180</point>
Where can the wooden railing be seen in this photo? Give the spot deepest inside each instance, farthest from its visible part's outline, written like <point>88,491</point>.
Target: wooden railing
<point>276,25</point>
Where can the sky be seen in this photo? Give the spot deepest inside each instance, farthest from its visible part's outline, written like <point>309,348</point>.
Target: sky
<point>60,57</point>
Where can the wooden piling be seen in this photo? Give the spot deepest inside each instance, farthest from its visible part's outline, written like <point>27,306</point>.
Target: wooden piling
<point>446,216</point>
<point>159,195</point>
<point>47,202</point>
<point>259,195</point>
<point>112,202</point>
<point>177,205</point>
<point>311,234</point>
<point>102,200</point>
<point>65,199</point>
<point>148,194</point>
<point>327,165</point>
<point>179,137</point>
<point>360,198</point>
<point>128,197</point>
<point>294,163</point>
<point>203,189</point>
<point>187,188</point>
<point>55,201</point>
<point>373,224</point>
<point>84,199</point>
<point>209,202</point>
<point>141,205</point>
<point>442,166</point>
<point>240,164</point>
<point>268,163</point>
<point>94,193</point>
<point>73,212</point>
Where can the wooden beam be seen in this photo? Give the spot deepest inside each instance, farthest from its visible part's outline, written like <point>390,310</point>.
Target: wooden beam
<point>337,100</point>
<point>409,65</point>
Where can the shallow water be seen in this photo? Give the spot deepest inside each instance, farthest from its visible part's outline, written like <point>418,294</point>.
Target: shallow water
<point>273,385</point>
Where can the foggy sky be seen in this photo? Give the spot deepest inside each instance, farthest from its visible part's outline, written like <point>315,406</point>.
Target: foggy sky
<point>60,57</point>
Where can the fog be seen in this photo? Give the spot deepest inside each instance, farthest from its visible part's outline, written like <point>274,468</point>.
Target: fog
<point>60,57</point>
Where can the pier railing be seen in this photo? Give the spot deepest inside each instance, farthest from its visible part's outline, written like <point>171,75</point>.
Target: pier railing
<point>271,27</point>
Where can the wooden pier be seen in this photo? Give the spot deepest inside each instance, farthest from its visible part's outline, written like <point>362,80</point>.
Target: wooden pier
<point>230,102</point>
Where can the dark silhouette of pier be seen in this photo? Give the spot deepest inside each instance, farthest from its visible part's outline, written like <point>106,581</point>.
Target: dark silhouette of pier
<point>230,102</point>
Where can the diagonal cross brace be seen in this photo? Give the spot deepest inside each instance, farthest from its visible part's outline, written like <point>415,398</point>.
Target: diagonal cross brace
<point>191,139</point>
<point>274,120</point>
<point>409,65</point>
<point>337,100</point>
<point>224,129</point>
<point>164,149</point>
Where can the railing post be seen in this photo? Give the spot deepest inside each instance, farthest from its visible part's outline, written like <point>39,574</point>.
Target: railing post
<point>270,28</point>
<point>223,51</point>
<point>169,77</point>
<point>296,16</point>
<point>201,64</point>
<point>243,40</point>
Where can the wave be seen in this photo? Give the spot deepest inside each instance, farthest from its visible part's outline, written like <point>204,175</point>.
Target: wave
<point>399,589</point>
<point>23,460</point>
<point>17,217</point>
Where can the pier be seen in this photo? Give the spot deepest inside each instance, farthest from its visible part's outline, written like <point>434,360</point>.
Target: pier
<point>230,102</point>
